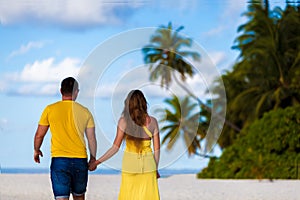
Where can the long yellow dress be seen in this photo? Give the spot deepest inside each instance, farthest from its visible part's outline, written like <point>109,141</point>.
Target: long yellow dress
<point>139,181</point>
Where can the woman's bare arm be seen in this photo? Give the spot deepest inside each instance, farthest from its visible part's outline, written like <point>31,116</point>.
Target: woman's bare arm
<point>114,148</point>
<point>156,143</point>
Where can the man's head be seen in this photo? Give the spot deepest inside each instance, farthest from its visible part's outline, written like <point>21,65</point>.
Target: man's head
<point>69,88</point>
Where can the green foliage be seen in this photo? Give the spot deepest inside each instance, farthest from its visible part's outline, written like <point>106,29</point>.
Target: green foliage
<point>266,76</point>
<point>268,148</point>
<point>164,55</point>
<point>181,119</point>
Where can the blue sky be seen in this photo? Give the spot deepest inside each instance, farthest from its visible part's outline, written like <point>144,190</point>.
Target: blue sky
<point>43,42</point>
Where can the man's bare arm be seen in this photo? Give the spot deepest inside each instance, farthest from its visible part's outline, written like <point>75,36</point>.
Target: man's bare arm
<point>38,140</point>
<point>92,142</point>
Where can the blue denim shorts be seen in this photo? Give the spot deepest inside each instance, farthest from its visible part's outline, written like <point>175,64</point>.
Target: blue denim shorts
<point>69,175</point>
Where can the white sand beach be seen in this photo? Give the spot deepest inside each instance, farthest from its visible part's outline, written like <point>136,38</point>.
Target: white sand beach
<point>176,187</point>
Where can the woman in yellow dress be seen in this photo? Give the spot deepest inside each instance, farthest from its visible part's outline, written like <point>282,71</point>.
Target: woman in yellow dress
<point>139,165</point>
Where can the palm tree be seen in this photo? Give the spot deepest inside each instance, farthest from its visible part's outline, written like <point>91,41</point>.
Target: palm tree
<point>183,120</point>
<point>166,58</point>
<point>270,56</point>
<point>267,74</point>
<point>164,55</point>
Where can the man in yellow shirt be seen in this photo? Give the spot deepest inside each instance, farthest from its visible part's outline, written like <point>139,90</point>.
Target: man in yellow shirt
<point>68,122</point>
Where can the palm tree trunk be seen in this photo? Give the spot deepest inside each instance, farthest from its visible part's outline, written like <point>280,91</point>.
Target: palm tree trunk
<point>266,7</point>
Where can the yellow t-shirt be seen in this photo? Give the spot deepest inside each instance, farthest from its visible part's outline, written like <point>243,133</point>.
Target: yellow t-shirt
<point>67,121</point>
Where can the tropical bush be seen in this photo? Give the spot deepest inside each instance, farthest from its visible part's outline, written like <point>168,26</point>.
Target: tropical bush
<point>268,149</point>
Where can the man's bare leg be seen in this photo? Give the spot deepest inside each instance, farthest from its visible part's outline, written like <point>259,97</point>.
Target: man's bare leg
<point>62,199</point>
<point>82,197</point>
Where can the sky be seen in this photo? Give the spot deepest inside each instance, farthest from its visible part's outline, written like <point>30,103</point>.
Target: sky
<point>99,42</point>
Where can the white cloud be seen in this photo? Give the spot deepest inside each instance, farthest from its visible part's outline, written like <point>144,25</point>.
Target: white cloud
<point>27,47</point>
<point>231,17</point>
<point>217,57</point>
<point>233,9</point>
<point>40,77</point>
<point>214,31</point>
<point>233,13</point>
<point>37,89</point>
<point>117,90</point>
<point>67,13</point>
<point>3,124</point>
<point>138,78</point>
<point>128,79</point>
<point>48,71</point>
<point>181,5</point>
<point>3,85</point>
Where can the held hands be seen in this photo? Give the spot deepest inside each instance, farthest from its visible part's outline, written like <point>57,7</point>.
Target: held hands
<point>93,163</point>
<point>36,155</point>
<point>157,174</point>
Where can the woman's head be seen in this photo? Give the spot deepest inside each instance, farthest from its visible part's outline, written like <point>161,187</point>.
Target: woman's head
<point>135,112</point>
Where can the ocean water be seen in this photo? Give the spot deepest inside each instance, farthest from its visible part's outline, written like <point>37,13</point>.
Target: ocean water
<point>163,172</point>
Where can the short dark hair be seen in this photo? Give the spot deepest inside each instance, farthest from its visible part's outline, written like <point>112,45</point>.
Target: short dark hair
<point>68,86</point>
